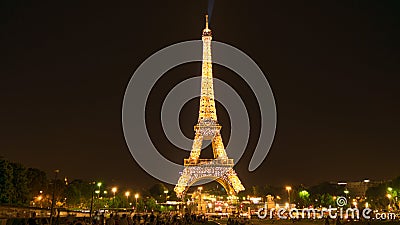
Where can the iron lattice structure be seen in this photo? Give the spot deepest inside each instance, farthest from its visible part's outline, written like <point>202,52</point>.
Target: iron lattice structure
<point>221,167</point>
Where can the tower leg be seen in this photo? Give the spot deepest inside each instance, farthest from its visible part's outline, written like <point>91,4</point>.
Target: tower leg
<point>218,147</point>
<point>196,147</point>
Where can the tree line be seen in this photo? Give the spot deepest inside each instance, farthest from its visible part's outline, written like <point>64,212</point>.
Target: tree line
<point>21,186</point>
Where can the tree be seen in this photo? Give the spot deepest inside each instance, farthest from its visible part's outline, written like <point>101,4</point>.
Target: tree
<point>151,204</point>
<point>377,196</point>
<point>20,185</point>
<point>304,198</point>
<point>6,185</point>
<point>157,192</point>
<point>37,181</point>
<point>79,193</point>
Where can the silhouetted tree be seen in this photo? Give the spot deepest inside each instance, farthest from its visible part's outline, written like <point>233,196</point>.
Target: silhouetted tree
<point>6,182</point>
<point>20,189</point>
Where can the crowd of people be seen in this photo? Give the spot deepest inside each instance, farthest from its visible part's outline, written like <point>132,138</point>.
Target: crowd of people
<point>130,219</point>
<point>145,219</point>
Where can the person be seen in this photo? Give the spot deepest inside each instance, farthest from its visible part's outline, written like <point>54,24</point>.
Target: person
<point>130,220</point>
<point>326,221</point>
<point>80,221</point>
<point>101,221</point>
<point>123,220</point>
<point>110,221</point>
<point>152,217</point>
<point>32,220</point>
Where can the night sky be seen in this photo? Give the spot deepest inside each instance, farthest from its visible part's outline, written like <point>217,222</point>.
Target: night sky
<point>333,67</point>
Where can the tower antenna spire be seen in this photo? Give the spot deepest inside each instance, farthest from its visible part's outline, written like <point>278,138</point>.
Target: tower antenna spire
<point>206,21</point>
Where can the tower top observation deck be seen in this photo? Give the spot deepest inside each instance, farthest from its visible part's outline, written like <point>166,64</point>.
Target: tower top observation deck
<point>207,31</point>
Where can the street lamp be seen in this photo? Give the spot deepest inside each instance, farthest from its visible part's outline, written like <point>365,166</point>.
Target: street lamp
<point>166,193</point>
<point>389,196</point>
<point>39,199</point>
<point>127,197</point>
<point>366,181</point>
<point>288,189</point>
<point>114,190</point>
<point>136,197</point>
<point>98,185</point>
<point>200,189</point>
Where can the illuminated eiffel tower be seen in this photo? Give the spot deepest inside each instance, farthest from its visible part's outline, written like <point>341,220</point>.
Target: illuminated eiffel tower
<point>220,168</point>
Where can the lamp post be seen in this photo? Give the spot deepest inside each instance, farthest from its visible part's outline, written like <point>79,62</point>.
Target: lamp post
<point>366,181</point>
<point>114,190</point>
<point>53,196</point>
<point>136,198</point>
<point>91,201</point>
<point>166,193</point>
<point>98,185</point>
<point>200,189</point>
<point>127,198</point>
<point>389,196</point>
<point>288,189</point>
<point>347,193</point>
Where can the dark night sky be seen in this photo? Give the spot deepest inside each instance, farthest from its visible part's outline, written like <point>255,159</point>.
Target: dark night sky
<point>333,67</point>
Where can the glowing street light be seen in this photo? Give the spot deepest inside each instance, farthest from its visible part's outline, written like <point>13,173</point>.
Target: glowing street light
<point>166,193</point>
<point>99,185</point>
<point>114,190</point>
<point>127,197</point>
<point>389,196</point>
<point>288,189</point>
<point>136,198</point>
<point>39,199</point>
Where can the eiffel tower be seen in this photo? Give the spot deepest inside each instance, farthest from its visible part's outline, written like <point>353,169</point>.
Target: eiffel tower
<point>220,168</point>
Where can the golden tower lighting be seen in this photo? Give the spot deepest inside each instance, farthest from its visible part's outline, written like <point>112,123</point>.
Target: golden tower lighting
<point>207,128</point>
